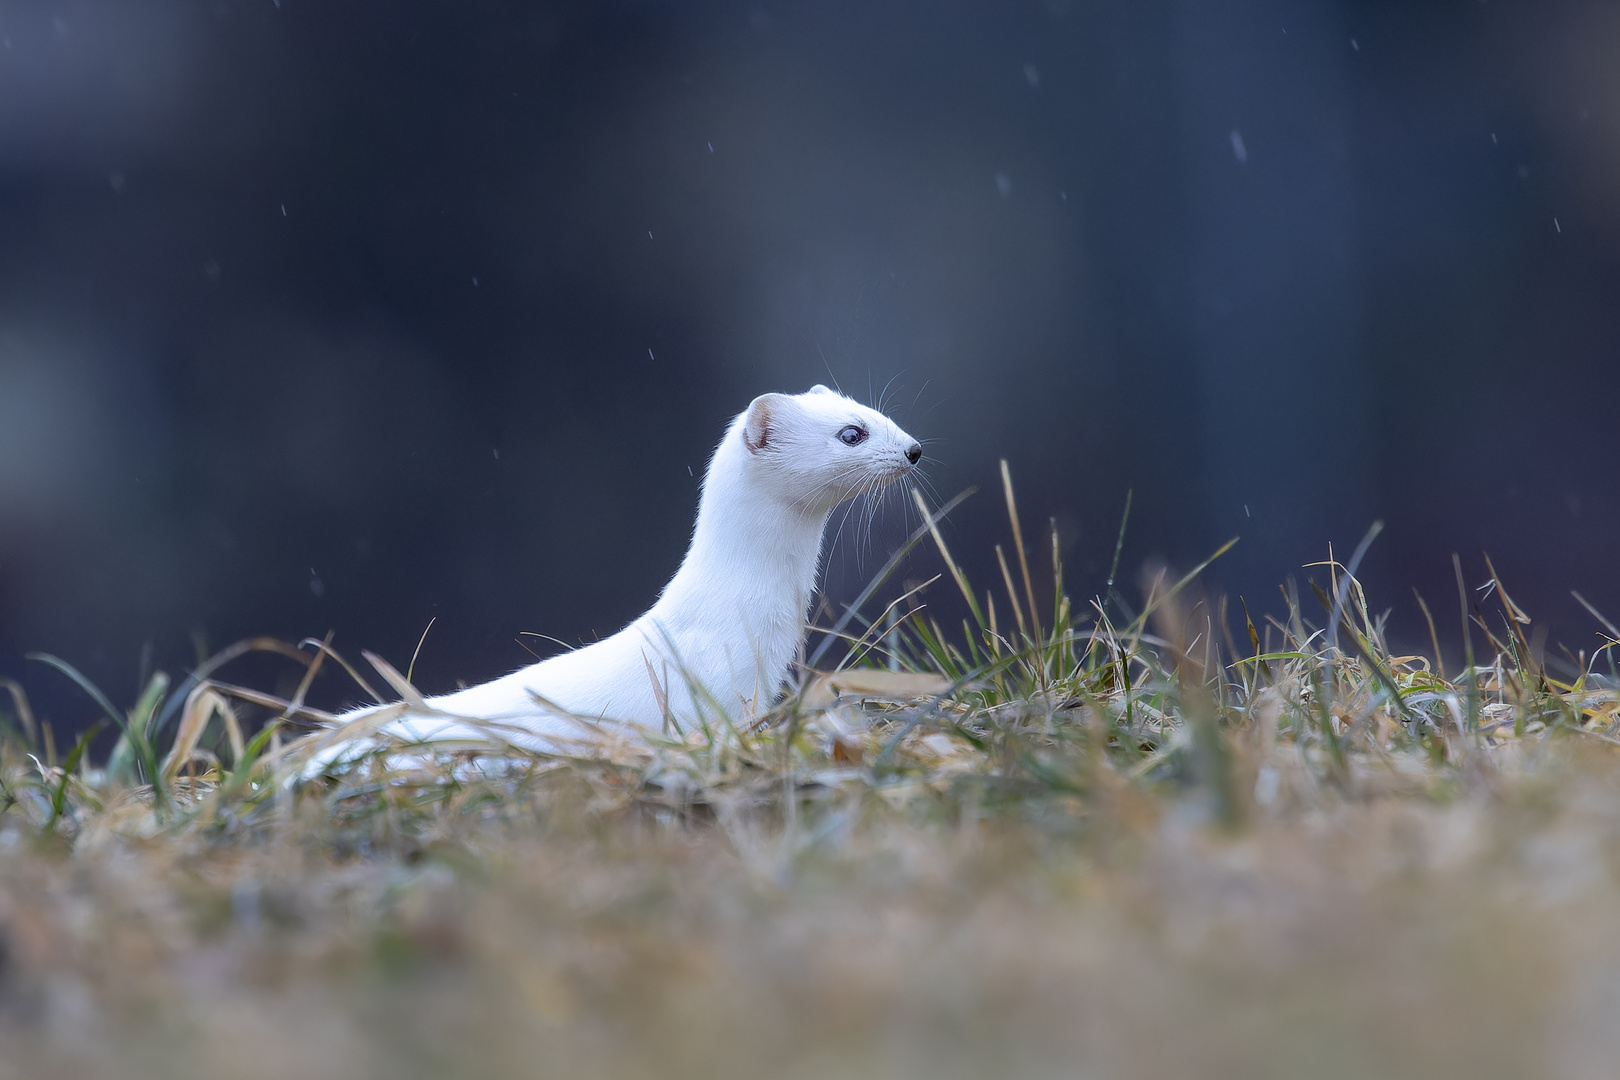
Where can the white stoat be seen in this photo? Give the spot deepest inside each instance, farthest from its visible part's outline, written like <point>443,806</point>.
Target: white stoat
<point>723,633</point>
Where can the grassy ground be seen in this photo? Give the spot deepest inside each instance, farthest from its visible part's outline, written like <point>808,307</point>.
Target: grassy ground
<point>1060,842</point>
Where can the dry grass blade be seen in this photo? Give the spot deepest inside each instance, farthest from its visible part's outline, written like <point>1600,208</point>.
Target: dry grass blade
<point>1342,587</point>
<point>1161,595</point>
<point>354,731</point>
<point>1513,610</point>
<point>326,648</point>
<point>1023,558</point>
<point>869,685</point>
<point>410,668</point>
<point>1434,635</point>
<point>1012,597</point>
<point>25,712</point>
<point>270,701</point>
<point>950,563</point>
<point>206,669</point>
<point>1596,614</point>
<point>202,704</point>
<point>661,696</point>
<point>296,705</point>
<point>402,686</point>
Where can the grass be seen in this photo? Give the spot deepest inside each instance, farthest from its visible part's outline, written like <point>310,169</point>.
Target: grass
<point>1059,839</point>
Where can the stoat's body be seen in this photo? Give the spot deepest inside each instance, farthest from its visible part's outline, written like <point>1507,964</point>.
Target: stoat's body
<point>718,644</point>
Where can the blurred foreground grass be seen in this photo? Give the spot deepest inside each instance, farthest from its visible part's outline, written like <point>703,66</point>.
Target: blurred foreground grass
<point>1057,843</point>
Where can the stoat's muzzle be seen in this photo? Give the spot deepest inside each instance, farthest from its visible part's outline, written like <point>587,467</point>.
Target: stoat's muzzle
<point>820,448</point>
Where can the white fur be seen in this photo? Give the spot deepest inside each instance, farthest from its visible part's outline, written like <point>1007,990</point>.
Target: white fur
<point>726,628</point>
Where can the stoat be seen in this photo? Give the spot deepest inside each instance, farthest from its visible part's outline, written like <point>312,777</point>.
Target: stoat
<point>718,644</point>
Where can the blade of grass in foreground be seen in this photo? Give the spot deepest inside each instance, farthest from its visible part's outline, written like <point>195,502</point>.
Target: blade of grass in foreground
<point>125,754</point>
<point>238,778</point>
<point>950,563</point>
<point>59,793</point>
<point>137,737</point>
<point>177,699</point>
<point>1140,623</point>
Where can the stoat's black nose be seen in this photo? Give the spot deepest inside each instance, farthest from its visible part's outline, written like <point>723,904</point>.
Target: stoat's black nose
<point>914,453</point>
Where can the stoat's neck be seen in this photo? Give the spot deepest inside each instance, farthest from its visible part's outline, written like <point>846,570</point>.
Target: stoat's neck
<point>753,560</point>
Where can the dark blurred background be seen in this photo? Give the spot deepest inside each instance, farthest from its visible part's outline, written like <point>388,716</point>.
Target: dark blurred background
<point>348,316</point>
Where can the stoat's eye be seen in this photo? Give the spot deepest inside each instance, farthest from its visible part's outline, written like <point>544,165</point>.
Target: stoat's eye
<point>853,435</point>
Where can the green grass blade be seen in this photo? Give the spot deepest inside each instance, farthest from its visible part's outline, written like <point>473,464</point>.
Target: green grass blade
<point>59,793</point>
<point>84,684</point>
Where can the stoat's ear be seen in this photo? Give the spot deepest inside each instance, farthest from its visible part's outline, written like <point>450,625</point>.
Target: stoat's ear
<point>819,389</point>
<point>759,426</point>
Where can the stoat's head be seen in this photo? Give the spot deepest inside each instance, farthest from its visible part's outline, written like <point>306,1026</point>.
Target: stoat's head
<point>819,448</point>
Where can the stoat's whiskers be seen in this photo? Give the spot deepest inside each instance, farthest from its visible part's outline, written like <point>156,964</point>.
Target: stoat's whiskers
<point>870,496</point>
<point>805,501</point>
<point>843,519</point>
<point>883,398</point>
